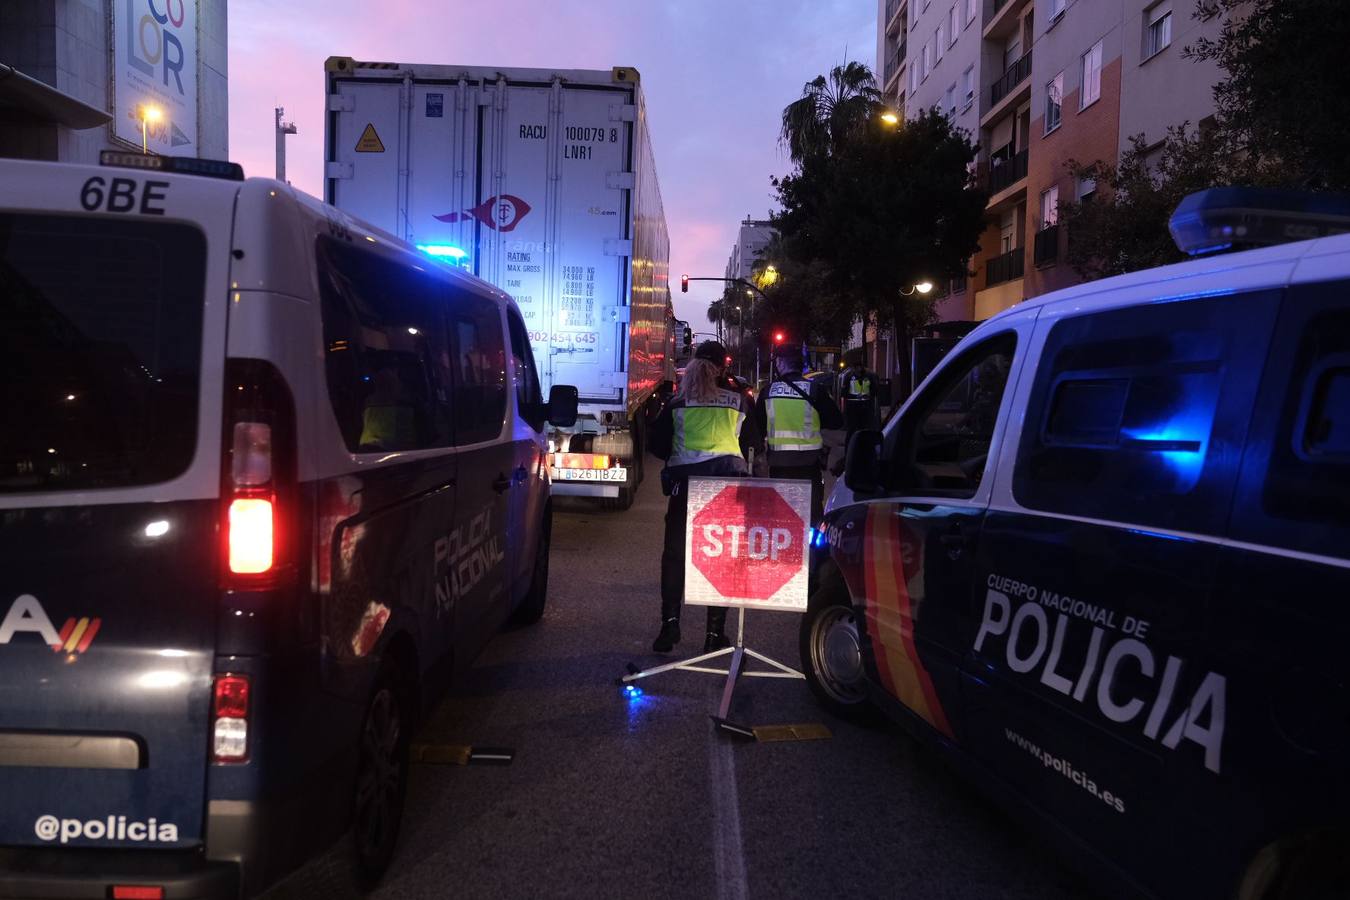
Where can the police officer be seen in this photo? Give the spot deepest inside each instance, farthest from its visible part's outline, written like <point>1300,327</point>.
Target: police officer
<point>792,413</point>
<point>706,430</point>
<point>858,395</point>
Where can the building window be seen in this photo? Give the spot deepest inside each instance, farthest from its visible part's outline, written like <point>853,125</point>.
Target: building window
<point>938,43</point>
<point>1157,30</point>
<point>1054,102</point>
<point>949,102</point>
<point>1050,207</point>
<point>1092,76</point>
<point>953,24</point>
<point>972,11</point>
<point>913,78</point>
<point>1057,8</point>
<point>968,86</point>
<point>927,58</point>
<point>1087,187</point>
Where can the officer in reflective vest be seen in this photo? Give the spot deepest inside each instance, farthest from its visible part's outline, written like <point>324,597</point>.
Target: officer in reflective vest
<point>858,393</point>
<point>706,430</point>
<point>792,412</point>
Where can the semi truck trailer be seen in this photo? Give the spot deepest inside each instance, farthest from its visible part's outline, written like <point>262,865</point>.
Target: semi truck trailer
<point>542,182</point>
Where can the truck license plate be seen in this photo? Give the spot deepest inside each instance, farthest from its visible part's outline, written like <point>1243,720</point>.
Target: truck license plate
<point>616,474</point>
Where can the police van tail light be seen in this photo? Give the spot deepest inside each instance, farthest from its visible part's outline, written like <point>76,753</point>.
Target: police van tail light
<point>229,718</point>
<point>259,478</point>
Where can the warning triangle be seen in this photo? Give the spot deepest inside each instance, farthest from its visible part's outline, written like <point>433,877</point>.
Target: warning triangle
<point>370,141</point>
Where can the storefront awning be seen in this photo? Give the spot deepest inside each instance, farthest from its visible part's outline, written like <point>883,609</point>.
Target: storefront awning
<point>27,98</point>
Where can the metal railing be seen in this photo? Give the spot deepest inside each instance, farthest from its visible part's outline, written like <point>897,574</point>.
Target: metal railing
<point>1005,172</point>
<point>1017,73</point>
<point>1005,267</point>
<point>1046,249</point>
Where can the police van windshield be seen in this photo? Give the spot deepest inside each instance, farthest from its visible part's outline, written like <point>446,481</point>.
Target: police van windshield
<point>100,351</point>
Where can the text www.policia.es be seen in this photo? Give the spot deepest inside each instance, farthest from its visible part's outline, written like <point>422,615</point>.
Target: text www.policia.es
<point>1062,766</point>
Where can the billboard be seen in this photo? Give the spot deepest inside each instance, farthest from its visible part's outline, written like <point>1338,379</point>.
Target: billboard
<point>155,69</point>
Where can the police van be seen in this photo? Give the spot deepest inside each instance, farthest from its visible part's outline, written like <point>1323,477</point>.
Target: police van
<point>268,476</point>
<point>1101,559</point>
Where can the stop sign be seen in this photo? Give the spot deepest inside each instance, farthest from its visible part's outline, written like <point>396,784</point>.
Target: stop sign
<point>746,542</point>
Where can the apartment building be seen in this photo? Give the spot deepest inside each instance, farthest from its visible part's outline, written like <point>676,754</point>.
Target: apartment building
<point>752,238</point>
<point>1039,83</point>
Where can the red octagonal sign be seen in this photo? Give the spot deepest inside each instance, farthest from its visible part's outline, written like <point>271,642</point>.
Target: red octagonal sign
<point>748,543</point>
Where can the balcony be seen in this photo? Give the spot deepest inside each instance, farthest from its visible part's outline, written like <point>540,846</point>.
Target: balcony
<point>1005,267</point>
<point>1046,250</point>
<point>893,7</point>
<point>1017,73</point>
<point>1004,18</point>
<point>893,62</point>
<point>1004,172</point>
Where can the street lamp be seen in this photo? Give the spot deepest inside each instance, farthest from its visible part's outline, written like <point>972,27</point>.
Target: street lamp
<point>147,114</point>
<point>890,118</point>
<point>922,287</point>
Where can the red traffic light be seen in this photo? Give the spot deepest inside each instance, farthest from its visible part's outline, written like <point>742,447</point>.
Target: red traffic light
<point>779,337</point>
<point>728,360</point>
<point>684,284</point>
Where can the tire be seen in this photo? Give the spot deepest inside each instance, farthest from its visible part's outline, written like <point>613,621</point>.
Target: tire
<point>831,658</point>
<point>381,775</point>
<point>531,608</point>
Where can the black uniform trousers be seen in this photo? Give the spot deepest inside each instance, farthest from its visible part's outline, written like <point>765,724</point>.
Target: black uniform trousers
<point>810,473</point>
<point>672,561</point>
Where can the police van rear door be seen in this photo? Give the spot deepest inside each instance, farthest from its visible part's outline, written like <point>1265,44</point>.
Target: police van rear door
<point>112,333</point>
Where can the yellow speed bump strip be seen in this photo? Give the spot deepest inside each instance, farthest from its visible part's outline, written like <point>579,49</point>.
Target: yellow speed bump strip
<point>809,732</point>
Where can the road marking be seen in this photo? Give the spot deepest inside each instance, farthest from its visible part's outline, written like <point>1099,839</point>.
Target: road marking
<point>728,853</point>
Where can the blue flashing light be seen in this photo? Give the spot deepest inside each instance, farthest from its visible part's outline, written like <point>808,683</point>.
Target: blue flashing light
<point>442,251</point>
<point>1235,218</point>
<point>632,691</point>
<point>819,538</point>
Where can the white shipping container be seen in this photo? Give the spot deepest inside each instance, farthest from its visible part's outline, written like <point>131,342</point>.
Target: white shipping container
<point>540,181</point>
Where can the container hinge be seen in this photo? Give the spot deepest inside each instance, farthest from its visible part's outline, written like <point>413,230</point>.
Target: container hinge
<point>341,103</point>
<point>618,314</point>
<point>617,247</point>
<point>338,170</point>
<point>623,112</point>
<point>622,181</point>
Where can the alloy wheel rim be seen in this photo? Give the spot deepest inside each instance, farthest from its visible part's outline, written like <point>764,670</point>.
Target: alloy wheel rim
<point>836,655</point>
<point>381,775</point>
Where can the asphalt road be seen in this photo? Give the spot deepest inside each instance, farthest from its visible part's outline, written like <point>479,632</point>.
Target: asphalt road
<point>642,798</point>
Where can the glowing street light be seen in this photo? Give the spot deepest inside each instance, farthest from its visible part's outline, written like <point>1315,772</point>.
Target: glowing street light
<point>924,287</point>
<point>147,114</point>
<point>890,118</point>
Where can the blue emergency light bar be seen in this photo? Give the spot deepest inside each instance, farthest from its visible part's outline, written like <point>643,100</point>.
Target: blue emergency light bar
<point>178,165</point>
<point>1238,218</point>
<point>442,251</point>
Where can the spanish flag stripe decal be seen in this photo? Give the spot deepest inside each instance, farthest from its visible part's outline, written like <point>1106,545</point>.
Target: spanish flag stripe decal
<point>891,623</point>
<point>89,635</point>
<point>64,635</point>
<point>76,635</point>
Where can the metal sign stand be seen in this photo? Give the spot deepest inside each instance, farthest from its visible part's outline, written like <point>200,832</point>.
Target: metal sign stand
<point>736,668</point>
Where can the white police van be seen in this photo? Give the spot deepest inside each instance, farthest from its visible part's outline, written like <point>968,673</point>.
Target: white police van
<point>267,477</point>
<point>1101,559</point>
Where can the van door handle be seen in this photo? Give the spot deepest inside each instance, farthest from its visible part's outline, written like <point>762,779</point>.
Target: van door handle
<point>501,484</point>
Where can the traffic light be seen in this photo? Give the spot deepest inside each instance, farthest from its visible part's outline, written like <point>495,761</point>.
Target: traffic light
<point>779,337</point>
<point>688,339</point>
<point>684,284</point>
<point>728,360</point>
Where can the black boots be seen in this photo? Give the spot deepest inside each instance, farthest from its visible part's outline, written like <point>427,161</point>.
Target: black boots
<point>716,640</point>
<point>669,636</point>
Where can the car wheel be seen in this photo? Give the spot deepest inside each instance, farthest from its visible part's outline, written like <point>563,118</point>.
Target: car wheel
<point>831,657</point>
<point>531,608</point>
<point>381,777</point>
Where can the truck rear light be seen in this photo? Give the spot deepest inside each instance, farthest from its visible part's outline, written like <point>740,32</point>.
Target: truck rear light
<point>251,463</point>
<point>250,524</point>
<point>137,892</point>
<point>229,714</point>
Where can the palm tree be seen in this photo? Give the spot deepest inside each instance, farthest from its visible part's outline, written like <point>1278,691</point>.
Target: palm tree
<point>831,110</point>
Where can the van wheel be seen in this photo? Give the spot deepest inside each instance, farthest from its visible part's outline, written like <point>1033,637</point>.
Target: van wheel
<point>531,608</point>
<point>381,777</point>
<point>831,657</point>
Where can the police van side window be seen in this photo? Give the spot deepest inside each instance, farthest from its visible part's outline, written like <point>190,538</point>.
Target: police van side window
<point>479,355</point>
<point>1295,489</point>
<point>1137,414</point>
<point>942,447</point>
<point>528,398</point>
<point>386,354</point>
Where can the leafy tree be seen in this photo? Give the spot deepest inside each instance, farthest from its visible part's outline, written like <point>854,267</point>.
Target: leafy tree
<point>1127,229</point>
<point>1284,99</point>
<point>831,111</point>
<point>1280,112</point>
<point>884,209</point>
